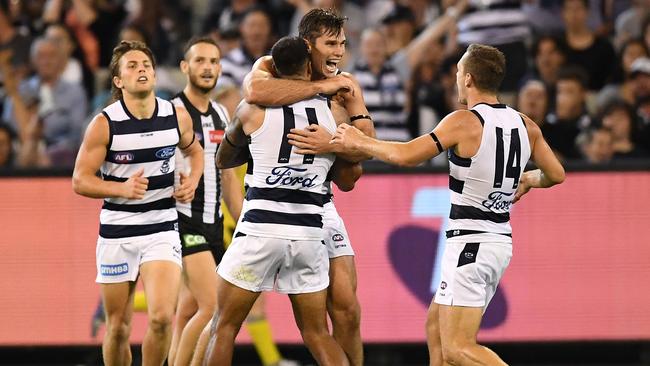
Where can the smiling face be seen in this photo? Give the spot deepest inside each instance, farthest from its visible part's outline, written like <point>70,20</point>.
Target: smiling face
<point>136,74</point>
<point>202,66</point>
<point>326,53</point>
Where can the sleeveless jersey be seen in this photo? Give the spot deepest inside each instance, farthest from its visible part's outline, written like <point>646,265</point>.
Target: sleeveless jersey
<point>285,191</point>
<point>134,144</point>
<point>483,186</point>
<point>209,130</point>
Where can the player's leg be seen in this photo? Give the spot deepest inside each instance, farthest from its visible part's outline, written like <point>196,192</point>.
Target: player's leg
<point>459,326</point>
<point>260,331</point>
<point>185,309</point>
<point>433,336</point>
<point>118,300</point>
<point>161,280</point>
<point>202,343</point>
<point>343,307</point>
<point>201,275</point>
<point>234,304</point>
<point>310,312</point>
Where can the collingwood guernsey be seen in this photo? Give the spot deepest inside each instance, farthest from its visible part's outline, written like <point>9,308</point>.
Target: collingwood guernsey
<point>285,191</point>
<point>480,208</point>
<point>133,144</point>
<point>209,130</point>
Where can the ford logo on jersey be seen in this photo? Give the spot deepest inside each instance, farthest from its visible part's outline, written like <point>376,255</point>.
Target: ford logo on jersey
<point>165,152</point>
<point>498,201</point>
<point>123,157</point>
<point>284,175</point>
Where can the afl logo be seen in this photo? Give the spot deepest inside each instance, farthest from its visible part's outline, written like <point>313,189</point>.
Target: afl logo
<point>165,152</point>
<point>469,255</point>
<point>337,237</point>
<point>123,157</point>
<point>443,285</point>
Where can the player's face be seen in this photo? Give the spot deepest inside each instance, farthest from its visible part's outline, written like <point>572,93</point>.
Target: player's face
<point>326,53</point>
<point>460,82</point>
<point>202,66</point>
<point>137,75</point>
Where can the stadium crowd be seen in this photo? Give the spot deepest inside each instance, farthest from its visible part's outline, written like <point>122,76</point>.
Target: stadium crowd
<point>578,68</point>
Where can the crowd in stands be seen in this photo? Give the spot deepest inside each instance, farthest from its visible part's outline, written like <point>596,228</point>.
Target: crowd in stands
<point>578,68</point>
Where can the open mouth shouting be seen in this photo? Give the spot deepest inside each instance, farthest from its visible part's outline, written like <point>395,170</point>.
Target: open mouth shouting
<point>331,66</point>
<point>143,79</point>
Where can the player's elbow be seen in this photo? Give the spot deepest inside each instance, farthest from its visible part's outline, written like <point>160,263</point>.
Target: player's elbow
<point>558,177</point>
<point>78,185</point>
<point>253,93</point>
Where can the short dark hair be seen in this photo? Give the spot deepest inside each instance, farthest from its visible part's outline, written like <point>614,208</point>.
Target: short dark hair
<point>575,73</point>
<point>584,2</point>
<point>290,55</point>
<point>559,43</point>
<point>487,65</point>
<point>318,22</point>
<point>199,39</point>
<point>122,48</point>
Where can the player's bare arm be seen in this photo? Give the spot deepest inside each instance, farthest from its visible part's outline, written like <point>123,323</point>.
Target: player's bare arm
<point>550,172</point>
<point>90,158</point>
<point>262,87</point>
<point>232,191</point>
<point>233,151</point>
<point>189,147</point>
<point>449,132</point>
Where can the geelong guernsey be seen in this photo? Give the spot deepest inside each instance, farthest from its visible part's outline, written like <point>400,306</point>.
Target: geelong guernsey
<point>134,144</point>
<point>285,191</point>
<point>483,186</point>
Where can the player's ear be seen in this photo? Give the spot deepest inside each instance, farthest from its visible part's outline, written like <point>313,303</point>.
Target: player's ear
<point>117,82</point>
<point>184,66</point>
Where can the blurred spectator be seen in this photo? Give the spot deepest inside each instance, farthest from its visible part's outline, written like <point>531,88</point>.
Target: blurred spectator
<point>255,30</point>
<point>596,145</point>
<point>570,115</point>
<point>61,106</point>
<point>18,43</point>
<point>383,88</point>
<point>504,25</point>
<point>640,76</point>
<point>132,32</point>
<point>632,50</point>
<point>7,154</point>
<point>620,119</point>
<point>533,101</point>
<point>593,53</point>
<point>645,33</point>
<point>549,55</point>
<point>229,16</point>
<point>629,23</point>
<point>75,70</point>
<point>398,28</point>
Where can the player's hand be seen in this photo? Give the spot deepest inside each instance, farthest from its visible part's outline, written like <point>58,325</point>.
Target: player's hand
<point>338,83</point>
<point>525,184</point>
<point>314,139</point>
<point>185,191</point>
<point>136,186</point>
<point>347,137</point>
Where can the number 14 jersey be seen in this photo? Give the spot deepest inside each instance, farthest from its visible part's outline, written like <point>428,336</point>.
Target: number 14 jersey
<point>285,191</point>
<point>483,186</point>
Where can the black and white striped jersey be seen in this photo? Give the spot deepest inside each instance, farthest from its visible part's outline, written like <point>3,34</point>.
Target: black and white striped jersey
<point>494,22</point>
<point>209,130</point>
<point>483,186</point>
<point>133,144</point>
<point>285,191</point>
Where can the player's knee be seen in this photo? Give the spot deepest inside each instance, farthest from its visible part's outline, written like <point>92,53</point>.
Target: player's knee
<point>313,336</point>
<point>117,329</point>
<point>453,353</point>
<point>432,326</point>
<point>160,322</point>
<point>346,311</point>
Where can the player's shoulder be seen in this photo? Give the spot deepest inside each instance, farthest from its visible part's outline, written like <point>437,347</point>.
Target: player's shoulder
<point>462,118</point>
<point>531,127</point>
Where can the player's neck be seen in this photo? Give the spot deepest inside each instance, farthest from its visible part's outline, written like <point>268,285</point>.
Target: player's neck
<point>140,107</point>
<point>199,100</point>
<point>476,97</point>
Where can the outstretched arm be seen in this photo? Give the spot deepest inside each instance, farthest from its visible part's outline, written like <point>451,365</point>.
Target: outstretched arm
<point>262,87</point>
<point>550,172</point>
<point>447,134</point>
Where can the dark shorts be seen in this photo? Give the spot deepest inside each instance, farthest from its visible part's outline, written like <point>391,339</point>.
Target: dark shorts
<point>197,236</point>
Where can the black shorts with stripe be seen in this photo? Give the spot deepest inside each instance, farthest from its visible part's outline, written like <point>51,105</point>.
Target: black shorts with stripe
<point>197,236</point>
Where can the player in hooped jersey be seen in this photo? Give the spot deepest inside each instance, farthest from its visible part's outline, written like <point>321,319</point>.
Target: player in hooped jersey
<point>278,243</point>
<point>201,221</point>
<point>323,29</point>
<point>488,147</point>
<point>133,142</point>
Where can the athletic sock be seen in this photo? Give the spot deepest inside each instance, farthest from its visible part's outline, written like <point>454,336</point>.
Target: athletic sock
<point>260,331</point>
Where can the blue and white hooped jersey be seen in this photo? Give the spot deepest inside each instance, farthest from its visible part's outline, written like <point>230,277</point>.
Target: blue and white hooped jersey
<point>286,191</point>
<point>134,144</point>
<point>483,186</point>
